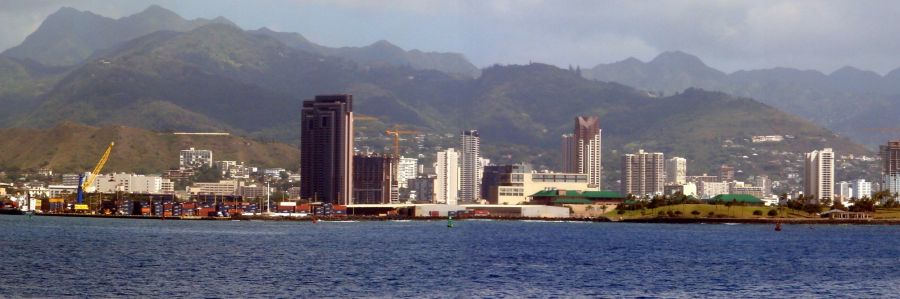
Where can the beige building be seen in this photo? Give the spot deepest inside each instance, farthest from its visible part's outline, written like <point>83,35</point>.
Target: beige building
<point>227,187</point>
<point>676,171</point>
<point>711,189</point>
<point>818,179</point>
<point>643,174</point>
<point>518,188</point>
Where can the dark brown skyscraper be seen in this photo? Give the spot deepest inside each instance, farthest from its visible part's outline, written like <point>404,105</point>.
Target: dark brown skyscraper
<point>372,179</point>
<point>326,149</point>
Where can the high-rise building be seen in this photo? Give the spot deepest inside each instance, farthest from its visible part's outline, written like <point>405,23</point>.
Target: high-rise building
<point>818,179</point>
<point>843,190</point>
<point>582,150</point>
<point>194,158</point>
<point>372,179</point>
<point>726,173</point>
<point>470,164</point>
<point>643,173</point>
<point>861,189</point>
<point>446,182</point>
<point>567,158</point>
<point>763,182</point>
<point>676,171</point>
<point>407,169</point>
<point>326,149</point>
<point>421,189</point>
<point>890,157</point>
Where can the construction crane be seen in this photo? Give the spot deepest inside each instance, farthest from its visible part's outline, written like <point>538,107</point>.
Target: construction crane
<point>395,132</point>
<point>85,184</point>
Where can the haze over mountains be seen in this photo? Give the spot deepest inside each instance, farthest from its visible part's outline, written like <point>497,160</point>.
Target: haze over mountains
<point>216,76</point>
<point>856,103</point>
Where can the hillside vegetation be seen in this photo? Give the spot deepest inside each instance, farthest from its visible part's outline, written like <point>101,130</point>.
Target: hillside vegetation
<point>73,147</point>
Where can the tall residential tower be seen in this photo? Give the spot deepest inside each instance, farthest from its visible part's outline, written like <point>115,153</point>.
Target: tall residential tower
<point>446,182</point>
<point>470,166</point>
<point>642,173</point>
<point>818,179</point>
<point>581,151</point>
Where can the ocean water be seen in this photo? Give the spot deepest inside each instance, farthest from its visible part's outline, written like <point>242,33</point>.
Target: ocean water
<point>83,257</point>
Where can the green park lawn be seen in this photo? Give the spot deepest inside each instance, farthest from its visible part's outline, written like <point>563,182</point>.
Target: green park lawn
<point>718,210</point>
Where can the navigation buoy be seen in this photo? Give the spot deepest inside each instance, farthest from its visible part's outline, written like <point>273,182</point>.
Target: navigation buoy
<point>777,226</point>
<point>449,221</point>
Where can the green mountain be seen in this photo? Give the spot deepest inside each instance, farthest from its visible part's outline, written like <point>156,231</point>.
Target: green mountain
<point>382,53</point>
<point>70,36</point>
<point>846,101</point>
<point>73,147</point>
<point>219,77</point>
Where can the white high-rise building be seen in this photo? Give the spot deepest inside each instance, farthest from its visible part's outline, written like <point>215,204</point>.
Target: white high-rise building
<point>818,177</point>
<point>861,189</point>
<point>470,166</point>
<point>406,170</point>
<point>676,170</point>
<point>194,158</point>
<point>642,173</point>
<point>446,182</point>
<point>843,190</point>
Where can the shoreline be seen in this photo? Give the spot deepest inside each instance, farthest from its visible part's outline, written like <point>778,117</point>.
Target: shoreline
<point>661,220</point>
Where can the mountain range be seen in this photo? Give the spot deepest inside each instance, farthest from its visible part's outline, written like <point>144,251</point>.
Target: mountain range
<point>855,103</point>
<point>219,77</point>
<point>69,37</point>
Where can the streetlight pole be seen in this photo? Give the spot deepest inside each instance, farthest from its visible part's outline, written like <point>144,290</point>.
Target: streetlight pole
<point>267,198</point>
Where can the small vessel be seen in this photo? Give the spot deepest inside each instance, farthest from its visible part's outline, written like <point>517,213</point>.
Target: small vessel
<point>777,226</point>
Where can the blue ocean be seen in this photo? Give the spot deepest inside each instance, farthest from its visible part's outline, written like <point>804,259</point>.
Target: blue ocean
<point>89,257</point>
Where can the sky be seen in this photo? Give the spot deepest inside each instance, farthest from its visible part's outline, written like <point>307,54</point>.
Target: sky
<point>728,35</point>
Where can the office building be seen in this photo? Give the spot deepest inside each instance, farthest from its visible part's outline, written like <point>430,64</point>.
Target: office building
<point>372,180</point>
<point>582,150</point>
<point>194,159</point>
<point>709,190</point>
<point>470,164</point>
<point>567,158</point>
<point>818,179</point>
<point>446,182</point>
<point>676,171</point>
<point>421,189</point>
<point>515,184</point>
<point>326,149</point>
<point>130,183</point>
<point>643,174</point>
<point>221,188</point>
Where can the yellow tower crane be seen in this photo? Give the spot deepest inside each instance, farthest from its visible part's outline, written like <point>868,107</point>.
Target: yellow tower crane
<point>395,132</point>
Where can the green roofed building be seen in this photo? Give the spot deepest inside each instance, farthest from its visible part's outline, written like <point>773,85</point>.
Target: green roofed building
<point>737,198</point>
<point>560,197</point>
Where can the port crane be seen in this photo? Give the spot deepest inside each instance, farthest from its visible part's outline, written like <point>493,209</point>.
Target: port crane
<point>86,183</point>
